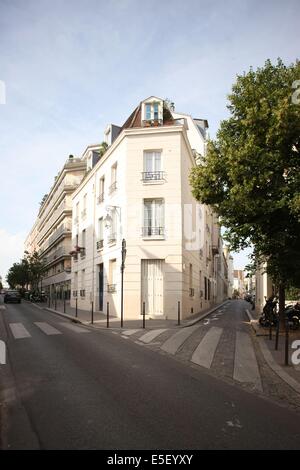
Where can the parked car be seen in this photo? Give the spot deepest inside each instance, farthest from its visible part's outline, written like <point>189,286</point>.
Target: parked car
<point>12,296</point>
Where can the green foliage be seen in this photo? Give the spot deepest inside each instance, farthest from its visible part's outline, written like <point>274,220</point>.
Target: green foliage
<point>29,270</point>
<point>251,173</point>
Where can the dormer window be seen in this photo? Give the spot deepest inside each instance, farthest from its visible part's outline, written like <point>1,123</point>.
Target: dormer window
<point>153,113</point>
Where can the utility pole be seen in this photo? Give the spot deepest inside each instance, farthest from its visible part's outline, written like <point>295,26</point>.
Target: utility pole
<point>123,253</point>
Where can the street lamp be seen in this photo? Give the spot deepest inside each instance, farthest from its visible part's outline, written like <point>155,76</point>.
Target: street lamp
<point>123,253</point>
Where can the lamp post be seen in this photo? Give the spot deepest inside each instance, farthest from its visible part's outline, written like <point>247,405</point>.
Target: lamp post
<point>123,252</point>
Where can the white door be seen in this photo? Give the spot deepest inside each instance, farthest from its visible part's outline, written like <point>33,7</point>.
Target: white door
<point>153,286</point>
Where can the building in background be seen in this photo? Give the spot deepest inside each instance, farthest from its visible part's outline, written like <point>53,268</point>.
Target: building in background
<point>139,191</point>
<point>239,287</point>
<point>51,233</point>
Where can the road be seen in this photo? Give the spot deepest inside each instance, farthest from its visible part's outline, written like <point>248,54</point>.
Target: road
<point>70,387</point>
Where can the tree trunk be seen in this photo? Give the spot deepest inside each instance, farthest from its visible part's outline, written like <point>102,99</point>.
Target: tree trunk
<point>281,293</point>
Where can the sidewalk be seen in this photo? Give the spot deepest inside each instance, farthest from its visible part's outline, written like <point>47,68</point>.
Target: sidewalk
<point>276,358</point>
<point>100,319</point>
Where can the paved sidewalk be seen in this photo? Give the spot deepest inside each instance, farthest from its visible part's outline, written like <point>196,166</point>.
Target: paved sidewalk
<point>276,358</point>
<point>100,319</point>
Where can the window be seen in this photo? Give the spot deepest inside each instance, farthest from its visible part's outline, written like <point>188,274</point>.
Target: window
<point>113,227</point>
<point>152,166</point>
<point>148,111</point>
<point>83,243</point>
<point>152,112</point>
<point>101,190</point>
<point>82,290</point>
<point>100,234</point>
<point>83,213</point>
<point>113,185</point>
<point>153,217</point>
<point>77,213</point>
<point>112,275</point>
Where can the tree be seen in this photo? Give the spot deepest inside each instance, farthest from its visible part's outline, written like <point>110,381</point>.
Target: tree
<point>251,173</point>
<point>29,270</point>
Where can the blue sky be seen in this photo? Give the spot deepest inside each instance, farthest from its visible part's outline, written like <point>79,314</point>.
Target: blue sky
<point>72,66</point>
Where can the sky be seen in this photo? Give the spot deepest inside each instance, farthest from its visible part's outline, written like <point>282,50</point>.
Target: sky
<point>70,67</point>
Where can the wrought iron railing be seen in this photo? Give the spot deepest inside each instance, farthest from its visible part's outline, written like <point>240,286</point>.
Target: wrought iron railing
<point>153,175</point>
<point>153,231</point>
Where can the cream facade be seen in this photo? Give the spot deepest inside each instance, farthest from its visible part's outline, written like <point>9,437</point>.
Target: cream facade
<point>51,234</point>
<point>139,192</point>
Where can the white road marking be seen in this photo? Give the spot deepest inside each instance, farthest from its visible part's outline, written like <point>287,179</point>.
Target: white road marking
<point>47,329</point>
<point>75,328</point>
<point>129,332</point>
<point>172,344</point>
<point>245,364</point>
<point>2,307</point>
<point>19,331</point>
<point>205,351</point>
<point>150,335</point>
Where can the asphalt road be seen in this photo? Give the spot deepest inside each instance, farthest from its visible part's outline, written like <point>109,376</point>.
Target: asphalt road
<point>95,390</point>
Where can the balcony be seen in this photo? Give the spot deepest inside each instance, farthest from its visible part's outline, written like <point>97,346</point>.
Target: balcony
<point>112,188</point>
<point>152,122</point>
<point>62,230</point>
<point>153,231</point>
<point>99,244</point>
<point>62,251</point>
<point>112,237</point>
<point>111,288</point>
<point>150,176</point>
<point>100,198</point>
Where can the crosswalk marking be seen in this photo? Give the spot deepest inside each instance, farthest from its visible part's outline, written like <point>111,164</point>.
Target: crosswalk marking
<point>205,351</point>
<point>75,328</point>
<point>129,332</point>
<point>19,331</point>
<point>245,364</point>
<point>47,329</point>
<point>148,337</point>
<point>173,343</point>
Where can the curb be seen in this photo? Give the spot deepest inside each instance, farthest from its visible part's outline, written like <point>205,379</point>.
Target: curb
<point>254,324</point>
<point>64,315</point>
<point>277,368</point>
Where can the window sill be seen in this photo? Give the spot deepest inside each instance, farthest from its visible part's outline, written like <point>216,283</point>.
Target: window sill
<point>154,237</point>
<point>146,182</point>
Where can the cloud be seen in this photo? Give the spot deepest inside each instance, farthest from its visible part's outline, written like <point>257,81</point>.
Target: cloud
<point>11,250</point>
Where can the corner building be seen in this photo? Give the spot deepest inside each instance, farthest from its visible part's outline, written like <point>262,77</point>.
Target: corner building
<point>138,191</point>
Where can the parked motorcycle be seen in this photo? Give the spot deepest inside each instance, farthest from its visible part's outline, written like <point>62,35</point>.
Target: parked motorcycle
<point>292,314</point>
<point>269,317</point>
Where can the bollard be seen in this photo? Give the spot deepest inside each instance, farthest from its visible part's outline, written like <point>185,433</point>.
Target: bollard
<point>107,315</point>
<point>64,302</point>
<point>76,307</point>
<point>277,336</point>
<point>286,349</point>
<point>178,313</point>
<point>270,332</point>
<point>49,300</point>
<point>92,312</point>
<point>144,313</point>
<point>55,300</point>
